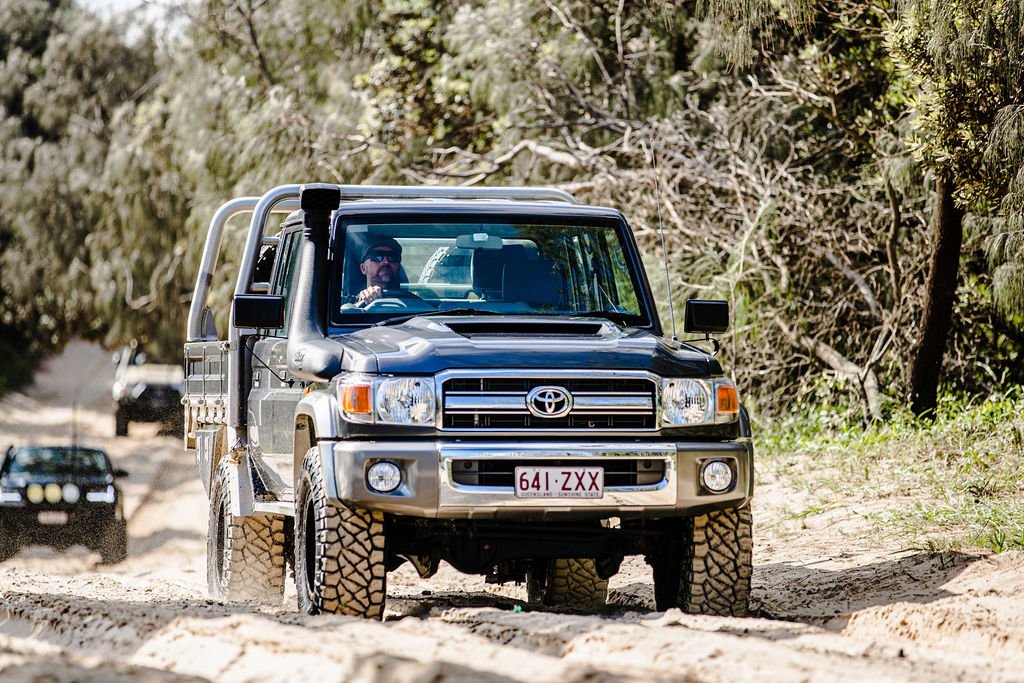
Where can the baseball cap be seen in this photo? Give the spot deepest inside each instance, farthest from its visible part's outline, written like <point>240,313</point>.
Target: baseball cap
<point>381,241</point>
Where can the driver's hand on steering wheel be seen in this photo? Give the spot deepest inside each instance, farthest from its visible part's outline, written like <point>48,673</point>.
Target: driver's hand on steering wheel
<point>369,295</point>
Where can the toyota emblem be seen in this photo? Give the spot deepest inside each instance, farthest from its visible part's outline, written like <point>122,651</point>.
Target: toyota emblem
<point>549,402</point>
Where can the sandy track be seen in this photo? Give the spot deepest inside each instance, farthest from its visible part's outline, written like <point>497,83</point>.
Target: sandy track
<point>836,601</point>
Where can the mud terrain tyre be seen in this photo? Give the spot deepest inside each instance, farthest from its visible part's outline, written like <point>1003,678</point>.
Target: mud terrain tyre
<point>339,551</point>
<point>570,583</point>
<point>708,570</point>
<point>120,423</point>
<point>244,555</point>
<point>113,544</point>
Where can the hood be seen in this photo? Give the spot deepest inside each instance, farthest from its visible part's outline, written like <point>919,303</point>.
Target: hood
<point>428,345</point>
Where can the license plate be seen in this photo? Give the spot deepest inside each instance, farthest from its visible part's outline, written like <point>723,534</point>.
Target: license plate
<point>53,517</point>
<point>559,482</point>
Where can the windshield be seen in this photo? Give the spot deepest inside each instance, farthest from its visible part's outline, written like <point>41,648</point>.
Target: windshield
<point>58,461</point>
<point>397,269</point>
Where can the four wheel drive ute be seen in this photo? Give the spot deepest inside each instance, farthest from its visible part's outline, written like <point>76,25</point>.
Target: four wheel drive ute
<point>474,375</point>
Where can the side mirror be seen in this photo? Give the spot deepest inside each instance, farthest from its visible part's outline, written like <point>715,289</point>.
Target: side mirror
<point>708,316</point>
<point>120,473</point>
<point>257,311</point>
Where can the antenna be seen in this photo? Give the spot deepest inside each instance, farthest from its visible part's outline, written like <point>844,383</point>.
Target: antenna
<point>661,231</point>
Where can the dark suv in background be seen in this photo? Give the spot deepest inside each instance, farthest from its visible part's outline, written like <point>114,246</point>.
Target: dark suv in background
<point>145,392</point>
<point>61,496</point>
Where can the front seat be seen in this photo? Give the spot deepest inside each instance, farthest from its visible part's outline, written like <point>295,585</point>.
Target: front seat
<point>535,283</point>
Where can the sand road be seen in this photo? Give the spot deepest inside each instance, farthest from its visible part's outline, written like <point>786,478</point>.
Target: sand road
<point>836,599</point>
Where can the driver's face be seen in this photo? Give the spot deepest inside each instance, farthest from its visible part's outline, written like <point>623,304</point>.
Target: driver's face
<point>382,273</point>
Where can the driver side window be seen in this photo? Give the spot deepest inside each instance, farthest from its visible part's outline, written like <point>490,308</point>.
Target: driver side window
<point>284,277</point>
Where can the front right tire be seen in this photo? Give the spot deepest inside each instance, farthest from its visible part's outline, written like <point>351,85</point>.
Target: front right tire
<point>339,551</point>
<point>706,564</point>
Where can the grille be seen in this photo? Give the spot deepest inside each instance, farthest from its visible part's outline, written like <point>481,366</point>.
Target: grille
<point>618,472</point>
<point>497,403</point>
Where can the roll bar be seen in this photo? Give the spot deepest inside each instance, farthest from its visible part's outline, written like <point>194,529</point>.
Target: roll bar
<point>286,198</point>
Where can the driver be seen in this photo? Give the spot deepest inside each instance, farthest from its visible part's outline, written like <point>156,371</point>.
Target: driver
<point>381,260</point>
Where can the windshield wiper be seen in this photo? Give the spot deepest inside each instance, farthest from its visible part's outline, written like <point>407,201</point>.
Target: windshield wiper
<point>443,311</point>
<point>614,316</point>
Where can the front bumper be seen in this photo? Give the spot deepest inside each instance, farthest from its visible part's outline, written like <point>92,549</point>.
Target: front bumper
<point>83,523</point>
<point>429,488</point>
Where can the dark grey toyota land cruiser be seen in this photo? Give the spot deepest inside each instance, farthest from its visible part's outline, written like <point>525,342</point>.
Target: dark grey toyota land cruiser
<point>475,375</point>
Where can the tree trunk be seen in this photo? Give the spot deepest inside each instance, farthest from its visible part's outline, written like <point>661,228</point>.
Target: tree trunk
<point>940,297</point>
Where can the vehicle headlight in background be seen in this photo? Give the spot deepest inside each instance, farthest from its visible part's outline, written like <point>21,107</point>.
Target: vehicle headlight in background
<point>692,401</point>
<point>53,493</point>
<point>71,493</point>
<point>34,493</point>
<point>106,496</point>
<point>9,495</point>
<point>387,400</point>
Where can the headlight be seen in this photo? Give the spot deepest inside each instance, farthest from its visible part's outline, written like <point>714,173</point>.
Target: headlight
<point>9,495</point>
<point>387,400</point>
<point>34,493</point>
<point>71,493</point>
<point>691,401</point>
<point>53,493</point>
<point>107,496</point>
<point>405,400</point>
<point>685,402</point>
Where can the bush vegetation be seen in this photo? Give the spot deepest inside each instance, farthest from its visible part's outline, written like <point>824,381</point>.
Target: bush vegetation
<point>802,156</point>
<point>952,483</point>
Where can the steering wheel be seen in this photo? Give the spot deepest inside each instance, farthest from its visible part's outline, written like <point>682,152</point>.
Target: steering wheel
<point>386,304</point>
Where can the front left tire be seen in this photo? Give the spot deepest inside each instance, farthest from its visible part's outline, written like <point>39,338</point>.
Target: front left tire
<point>340,563</point>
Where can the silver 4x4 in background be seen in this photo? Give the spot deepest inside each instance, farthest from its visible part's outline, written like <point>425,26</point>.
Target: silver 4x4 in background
<point>508,404</point>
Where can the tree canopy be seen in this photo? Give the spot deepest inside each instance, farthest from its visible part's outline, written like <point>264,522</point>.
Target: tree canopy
<point>795,146</point>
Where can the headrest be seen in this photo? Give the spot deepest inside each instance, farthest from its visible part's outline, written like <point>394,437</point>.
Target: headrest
<point>533,282</point>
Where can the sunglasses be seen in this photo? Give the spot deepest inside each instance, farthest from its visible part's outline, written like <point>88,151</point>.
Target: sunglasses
<point>379,258</point>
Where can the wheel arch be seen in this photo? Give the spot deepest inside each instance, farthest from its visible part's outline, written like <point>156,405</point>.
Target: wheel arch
<point>316,419</point>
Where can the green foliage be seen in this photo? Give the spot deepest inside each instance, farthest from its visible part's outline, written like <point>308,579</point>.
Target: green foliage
<point>788,188</point>
<point>65,76</point>
<point>968,60</point>
<point>955,482</point>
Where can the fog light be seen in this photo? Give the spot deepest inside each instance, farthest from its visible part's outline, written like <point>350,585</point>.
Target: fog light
<point>71,493</point>
<point>384,477</point>
<point>716,476</point>
<point>34,493</point>
<point>53,493</point>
